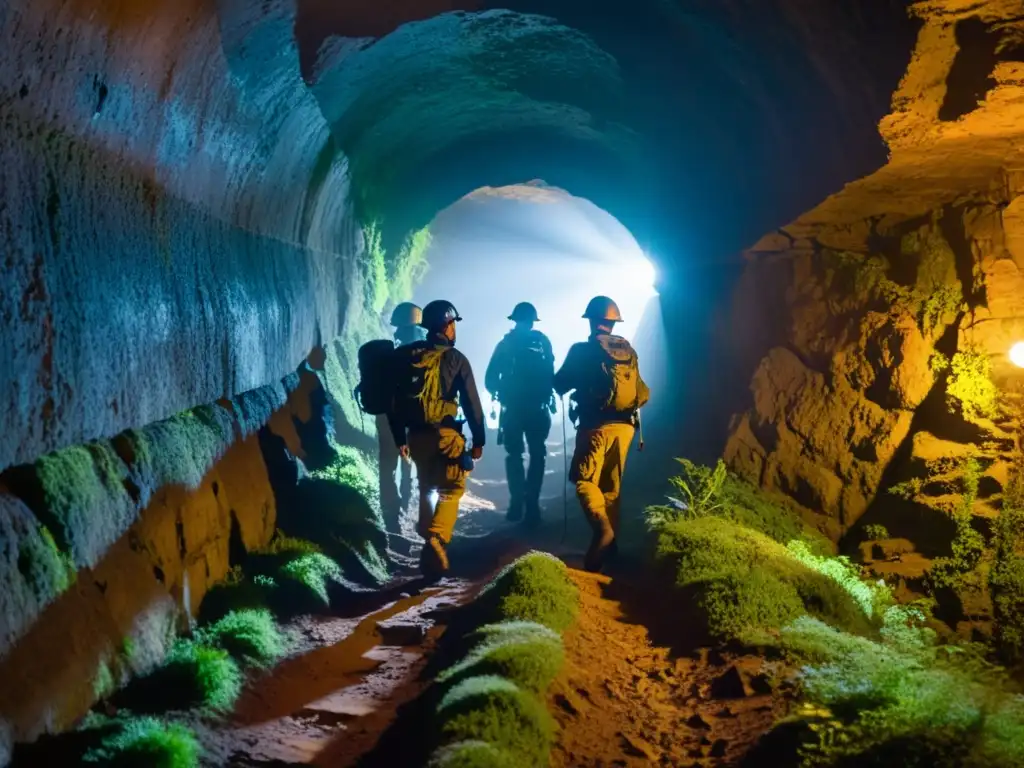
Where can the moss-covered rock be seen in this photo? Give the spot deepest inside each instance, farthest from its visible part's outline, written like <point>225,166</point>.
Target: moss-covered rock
<point>250,636</point>
<point>79,494</point>
<point>33,571</point>
<point>498,712</point>
<point>740,580</point>
<point>528,654</point>
<point>472,754</point>
<point>146,742</point>
<point>535,588</point>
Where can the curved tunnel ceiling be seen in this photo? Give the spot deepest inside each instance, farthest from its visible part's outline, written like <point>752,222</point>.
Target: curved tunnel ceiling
<point>699,126</point>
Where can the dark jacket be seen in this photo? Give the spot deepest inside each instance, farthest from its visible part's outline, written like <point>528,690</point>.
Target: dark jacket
<point>500,380</point>
<point>457,385</point>
<point>577,373</point>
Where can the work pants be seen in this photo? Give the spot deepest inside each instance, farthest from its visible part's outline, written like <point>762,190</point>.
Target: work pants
<point>395,478</point>
<point>597,467</point>
<point>437,454</point>
<point>525,429</point>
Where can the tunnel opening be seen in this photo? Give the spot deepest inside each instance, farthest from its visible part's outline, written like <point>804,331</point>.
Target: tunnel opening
<point>533,242</point>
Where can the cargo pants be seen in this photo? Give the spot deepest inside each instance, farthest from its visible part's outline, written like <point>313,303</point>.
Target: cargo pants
<point>597,467</point>
<point>436,454</point>
<point>525,430</point>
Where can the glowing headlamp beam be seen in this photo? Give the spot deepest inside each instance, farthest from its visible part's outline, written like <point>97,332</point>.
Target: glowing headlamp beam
<point>1017,354</point>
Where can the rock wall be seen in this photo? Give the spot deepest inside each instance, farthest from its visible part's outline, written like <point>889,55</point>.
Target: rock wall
<point>851,315</point>
<point>86,601</point>
<point>181,230</point>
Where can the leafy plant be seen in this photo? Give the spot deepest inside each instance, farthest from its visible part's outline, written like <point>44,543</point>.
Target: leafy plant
<point>206,677</point>
<point>970,385</point>
<point>875,532</point>
<point>724,495</point>
<point>699,489</point>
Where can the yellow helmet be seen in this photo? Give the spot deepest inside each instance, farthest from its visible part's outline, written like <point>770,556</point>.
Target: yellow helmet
<point>603,308</point>
<point>406,314</point>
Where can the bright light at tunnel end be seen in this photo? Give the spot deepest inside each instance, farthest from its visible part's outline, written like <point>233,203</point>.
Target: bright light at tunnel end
<point>1017,354</point>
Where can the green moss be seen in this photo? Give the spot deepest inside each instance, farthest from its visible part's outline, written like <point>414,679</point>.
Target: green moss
<point>875,532</point>
<point>741,580</point>
<point>203,676</point>
<point>84,502</point>
<point>179,450</point>
<point>146,742</point>
<point>536,588</point>
<point>128,648</point>
<point>473,754</point>
<point>496,711</point>
<point>407,271</point>
<point>313,571</point>
<point>970,385</point>
<point>531,656</point>
<point>968,546</point>
<point>902,701</point>
<point>103,683</point>
<point>250,636</point>
<point>715,492</point>
<point>351,468</point>
<point>1006,579</point>
<point>48,570</point>
<point>282,544</point>
<point>376,286</point>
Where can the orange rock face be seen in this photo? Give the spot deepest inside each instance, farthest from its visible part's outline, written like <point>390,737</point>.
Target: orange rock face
<point>922,257</point>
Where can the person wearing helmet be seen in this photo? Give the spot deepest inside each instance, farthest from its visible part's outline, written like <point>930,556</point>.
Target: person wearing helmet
<point>433,382</point>
<point>395,477</point>
<point>604,374</point>
<point>520,376</point>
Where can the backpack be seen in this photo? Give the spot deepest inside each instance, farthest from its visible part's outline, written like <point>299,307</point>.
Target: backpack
<point>376,361</point>
<point>418,399</point>
<point>531,371</point>
<point>617,386</point>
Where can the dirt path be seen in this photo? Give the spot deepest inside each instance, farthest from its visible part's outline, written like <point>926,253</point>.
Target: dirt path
<point>626,701</point>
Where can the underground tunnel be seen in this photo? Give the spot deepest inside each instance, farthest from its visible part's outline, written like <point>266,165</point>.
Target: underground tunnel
<point>810,216</point>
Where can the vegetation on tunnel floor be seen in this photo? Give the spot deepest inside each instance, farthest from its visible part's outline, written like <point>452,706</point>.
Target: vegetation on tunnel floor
<point>146,742</point>
<point>492,709</point>
<point>875,685</point>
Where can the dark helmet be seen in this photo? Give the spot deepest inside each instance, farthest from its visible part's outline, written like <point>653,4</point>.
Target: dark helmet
<point>603,308</point>
<point>524,312</point>
<point>406,314</point>
<point>438,314</point>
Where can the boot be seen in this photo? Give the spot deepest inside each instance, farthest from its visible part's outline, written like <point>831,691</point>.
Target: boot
<point>515,511</point>
<point>603,540</point>
<point>433,560</point>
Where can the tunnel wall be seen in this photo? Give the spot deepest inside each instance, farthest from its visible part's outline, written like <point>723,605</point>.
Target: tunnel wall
<point>849,316</point>
<point>109,548</point>
<point>181,230</point>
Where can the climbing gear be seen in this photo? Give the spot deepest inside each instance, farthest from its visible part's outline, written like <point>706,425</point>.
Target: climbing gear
<point>524,312</point>
<point>418,400</point>
<point>603,308</point>
<point>527,381</point>
<point>438,314</point>
<point>406,314</point>
<point>376,361</point>
<point>616,387</point>
<point>565,485</point>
